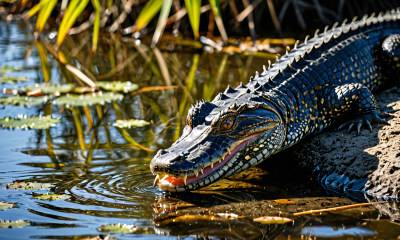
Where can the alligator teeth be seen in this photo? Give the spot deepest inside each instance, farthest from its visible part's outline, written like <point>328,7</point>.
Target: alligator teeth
<point>229,151</point>
<point>212,165</point>
<point>220,160</point>
<point>156,180</point>
<point>197,174</point>
<point>184,179</point>
<point>201,171</point>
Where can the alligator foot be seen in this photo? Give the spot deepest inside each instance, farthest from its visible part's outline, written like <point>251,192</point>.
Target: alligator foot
<point>362,119</point>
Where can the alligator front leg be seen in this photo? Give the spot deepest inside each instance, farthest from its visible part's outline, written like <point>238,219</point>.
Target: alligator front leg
<point>354,101</point>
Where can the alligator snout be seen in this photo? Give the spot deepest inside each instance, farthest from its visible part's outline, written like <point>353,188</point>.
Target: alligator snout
<point>166,161</point>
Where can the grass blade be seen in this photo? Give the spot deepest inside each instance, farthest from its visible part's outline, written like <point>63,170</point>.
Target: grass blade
<point>74,9</point>
<point>162,20</point>
<point>218,20</point>
<point>96,26</point>
<point>148,12</point>
<point>44,13</point>
<point>44,63</point>
<point>193,10</point>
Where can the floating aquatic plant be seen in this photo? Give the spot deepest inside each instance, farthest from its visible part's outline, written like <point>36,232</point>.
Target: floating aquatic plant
<point>6,205</point>
<point>12,79</point>
<point>13,224</point>
<point>49,88</point>
<point>88,99</point>
<point>51,196</point>
<point>30,185</point>
<point>130,123</point>
<point>23,101</point>
<point>119,228</point>
<point>7,68</point>
<point>25,122</point>
<point>272,220</point>
<point>117,86</point>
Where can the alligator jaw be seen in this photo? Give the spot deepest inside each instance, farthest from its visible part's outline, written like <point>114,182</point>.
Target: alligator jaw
<point>181,184</point>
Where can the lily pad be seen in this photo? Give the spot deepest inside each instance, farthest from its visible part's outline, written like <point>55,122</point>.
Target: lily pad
<point>7,68</point>
<point>13,224</point>
<point>48,196</point>
<point>12,79</point>
<point>88,99</point>
<point>119,228</point>
<point>6,205</point>
<point>30,185</point>
<point>130,123</point>
<point>24,122</point>
<point>118,86</point>
<point>24,101</point>
<point>48,88</point>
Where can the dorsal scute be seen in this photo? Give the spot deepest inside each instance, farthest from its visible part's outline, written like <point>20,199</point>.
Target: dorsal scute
<point>199,111</point>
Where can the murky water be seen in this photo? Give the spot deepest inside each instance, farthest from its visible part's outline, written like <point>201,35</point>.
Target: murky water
<point>104,170</point>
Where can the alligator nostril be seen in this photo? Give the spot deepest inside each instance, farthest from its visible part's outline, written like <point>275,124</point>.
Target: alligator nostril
<point>178,159</point>
<point>162,152</point>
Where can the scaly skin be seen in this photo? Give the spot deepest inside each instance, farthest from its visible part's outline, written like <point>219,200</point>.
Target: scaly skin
<point>319,83</point>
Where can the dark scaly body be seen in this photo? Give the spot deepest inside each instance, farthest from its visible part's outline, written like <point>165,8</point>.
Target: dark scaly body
<point>317,84</point>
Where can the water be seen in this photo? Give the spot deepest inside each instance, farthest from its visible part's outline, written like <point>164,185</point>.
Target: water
<point>105,170</point>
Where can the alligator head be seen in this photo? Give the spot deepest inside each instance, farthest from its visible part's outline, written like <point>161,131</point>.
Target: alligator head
<point>221,138</point>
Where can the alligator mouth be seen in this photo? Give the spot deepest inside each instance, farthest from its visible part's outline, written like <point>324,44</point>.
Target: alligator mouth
<point>180,184</point>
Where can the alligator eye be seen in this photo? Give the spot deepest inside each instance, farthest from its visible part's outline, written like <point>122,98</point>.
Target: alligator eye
<point>226,124</point>
<point>189,122</point>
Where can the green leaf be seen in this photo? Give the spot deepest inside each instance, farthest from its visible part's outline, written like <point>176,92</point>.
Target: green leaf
<point>6,205</point>
<point>148,12</point>
<point>23,101</point>
<point>74,9</point>
<point>218,19</point>
<point>13,224</point>
<point>96,25</point>
<point>44,13</point>
<point>5,68</point>
<point>88,100</point>
<point>119,228</point>
<point>30,185</point>
<point>118,86</point>
<point>12,79</point>
<point>130,123</point>
<point>24,122</point>
<point>162,21</point>
<point>193,9</point>
<point>51,196</point>
<point>50,88</point>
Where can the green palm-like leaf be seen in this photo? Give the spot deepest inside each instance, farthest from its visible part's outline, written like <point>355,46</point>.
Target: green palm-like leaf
<point>193,9</point>
<point>74,9</point>
<point>148,12</point>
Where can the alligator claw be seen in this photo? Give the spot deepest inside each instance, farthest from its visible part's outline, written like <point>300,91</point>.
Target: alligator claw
<point>364,119</point>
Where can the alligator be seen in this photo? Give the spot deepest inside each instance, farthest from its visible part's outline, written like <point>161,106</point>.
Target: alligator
<point>326,80</point>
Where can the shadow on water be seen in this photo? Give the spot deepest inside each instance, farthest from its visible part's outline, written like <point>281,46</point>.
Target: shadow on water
<point>104,169</point>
